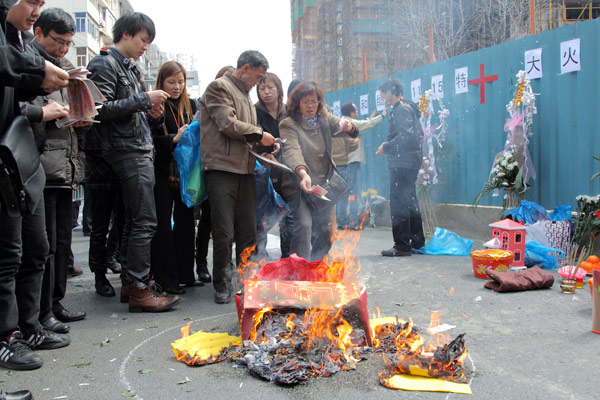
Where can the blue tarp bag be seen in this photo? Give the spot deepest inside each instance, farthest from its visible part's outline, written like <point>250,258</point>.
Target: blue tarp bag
<point>561,213</point>
<point>543,256</point>
<point>448,243</point>
<point>528,211</point>
<point>191,177</point>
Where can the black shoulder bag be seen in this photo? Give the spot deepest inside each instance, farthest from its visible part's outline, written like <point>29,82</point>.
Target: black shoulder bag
<point>22,177</point>
<point>335,184</point>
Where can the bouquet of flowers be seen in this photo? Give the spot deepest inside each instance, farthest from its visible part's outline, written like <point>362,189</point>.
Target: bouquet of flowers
<point>587,222</point>
<point>512,167</point>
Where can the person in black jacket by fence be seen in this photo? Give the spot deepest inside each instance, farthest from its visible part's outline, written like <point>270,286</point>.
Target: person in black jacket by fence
<point>403,151</point>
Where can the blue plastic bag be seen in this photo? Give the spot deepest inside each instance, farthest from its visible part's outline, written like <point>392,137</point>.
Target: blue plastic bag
<point>543,256</point>
<point>445,242</point>
<point>528,211</point>
<point>561,213</point>
<point>191,177</point>
<point>270,207</point>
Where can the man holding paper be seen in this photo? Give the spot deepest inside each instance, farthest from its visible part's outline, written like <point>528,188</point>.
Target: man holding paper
<point>124,139</point>
<point>228,131</point>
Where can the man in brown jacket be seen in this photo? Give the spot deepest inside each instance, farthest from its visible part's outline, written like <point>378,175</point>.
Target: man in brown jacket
<point>228,130</point>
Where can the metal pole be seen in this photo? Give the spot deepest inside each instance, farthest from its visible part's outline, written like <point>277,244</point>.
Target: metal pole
<point>532,17</point>
<point>431,54</point>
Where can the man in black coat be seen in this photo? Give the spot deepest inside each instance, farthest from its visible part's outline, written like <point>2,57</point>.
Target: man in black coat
<point>20,283</point>
<point>404,154</point>
<point>124,139</point>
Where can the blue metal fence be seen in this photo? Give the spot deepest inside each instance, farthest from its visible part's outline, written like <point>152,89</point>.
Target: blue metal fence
<point>566,127</point>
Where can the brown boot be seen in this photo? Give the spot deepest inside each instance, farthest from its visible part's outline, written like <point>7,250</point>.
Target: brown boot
<point>144,298</point>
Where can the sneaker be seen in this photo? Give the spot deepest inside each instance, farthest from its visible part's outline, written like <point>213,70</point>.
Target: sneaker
<point>16,354</point>
<point>48,340</point>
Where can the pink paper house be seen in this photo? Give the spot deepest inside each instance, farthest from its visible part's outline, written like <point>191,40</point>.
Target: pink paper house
<point>512,237</point>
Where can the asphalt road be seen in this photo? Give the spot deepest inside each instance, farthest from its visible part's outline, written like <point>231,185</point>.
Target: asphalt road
<point>527,345</point>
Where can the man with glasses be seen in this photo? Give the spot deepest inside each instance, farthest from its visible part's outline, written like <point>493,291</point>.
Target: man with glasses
<point>54,31</point>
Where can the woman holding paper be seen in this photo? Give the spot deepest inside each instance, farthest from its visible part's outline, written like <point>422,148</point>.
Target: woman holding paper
<point>172,249</point>
<point>308,130</point>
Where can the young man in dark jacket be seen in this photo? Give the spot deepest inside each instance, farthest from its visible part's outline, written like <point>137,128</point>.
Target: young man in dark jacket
<point>22,75</point>
<point>404,154</point>
<point>125,141</point>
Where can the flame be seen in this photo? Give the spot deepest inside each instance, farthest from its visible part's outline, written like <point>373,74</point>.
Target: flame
<point>407,351</point>
<point>247,267</point>
<point>258,317</point>
<point>185,330</point>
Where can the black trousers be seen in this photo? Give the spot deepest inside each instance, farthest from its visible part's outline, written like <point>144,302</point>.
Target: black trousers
<point>136,176</point>
<point>106,206</point>
<point>172,248</point>
<point>407,227</point>
<point>58,208</point>
<point>233,215</point>
<point>23,252</point>
<point>203,235</point>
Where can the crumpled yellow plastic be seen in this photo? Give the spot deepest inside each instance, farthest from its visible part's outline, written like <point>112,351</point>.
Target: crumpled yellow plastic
<point>201,345</point>
<point>421,383</point>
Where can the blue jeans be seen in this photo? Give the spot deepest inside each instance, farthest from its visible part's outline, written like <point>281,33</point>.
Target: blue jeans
<point>347,207</point>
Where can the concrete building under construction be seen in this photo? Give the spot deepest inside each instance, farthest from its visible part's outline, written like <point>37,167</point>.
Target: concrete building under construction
<point>340,43</point>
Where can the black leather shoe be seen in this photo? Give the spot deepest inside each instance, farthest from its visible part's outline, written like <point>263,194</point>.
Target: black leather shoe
<point>394,252</point>
<point>223,296</point>
<point>175,290</point>
<point>204,277</point>
<point>103,287</point>
<point>195,283</point>
<point>65,315</point>
<point>20,395</point>
<point>54,325</point>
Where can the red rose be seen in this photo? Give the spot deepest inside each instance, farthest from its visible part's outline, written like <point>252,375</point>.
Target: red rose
<point>597,213</point>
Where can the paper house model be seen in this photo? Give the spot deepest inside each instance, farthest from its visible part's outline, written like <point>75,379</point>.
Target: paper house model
<point>511,235</point>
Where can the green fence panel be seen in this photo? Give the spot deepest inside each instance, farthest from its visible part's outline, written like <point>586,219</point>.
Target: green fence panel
<point>566,127</point>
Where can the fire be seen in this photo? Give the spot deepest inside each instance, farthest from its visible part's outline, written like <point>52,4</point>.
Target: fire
<point>407,352</point>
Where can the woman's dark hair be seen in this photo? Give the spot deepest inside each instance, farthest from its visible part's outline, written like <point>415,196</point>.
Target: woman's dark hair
<point>55,19</point>
<point>222,71</point>
<point>348,108</point>
<point>303,89</point>
<point>132,23</point>
<point>269,76</point>
<point>393,85</point>
<point>166,70</point>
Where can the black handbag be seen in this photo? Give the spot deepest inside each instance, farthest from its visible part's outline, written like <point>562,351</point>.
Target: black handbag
<point>22,177</point>
<point>335,184</point>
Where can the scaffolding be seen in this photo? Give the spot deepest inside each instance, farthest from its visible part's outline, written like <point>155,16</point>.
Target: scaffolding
<point>553,14</point>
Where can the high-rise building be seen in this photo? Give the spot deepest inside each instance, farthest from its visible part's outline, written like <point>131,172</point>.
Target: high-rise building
<point>338,43</point>
<point>94,20</point>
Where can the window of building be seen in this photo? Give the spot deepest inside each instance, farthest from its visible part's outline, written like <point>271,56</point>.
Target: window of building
<point>517,256</point>
<point>81,53</point>
<point>80,22</point>
<point>92,28</point>
<point>518,238</point>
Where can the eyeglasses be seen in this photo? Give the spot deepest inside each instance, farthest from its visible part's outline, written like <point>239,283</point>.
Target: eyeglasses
<point>309,102</point>
<point>61,42</point>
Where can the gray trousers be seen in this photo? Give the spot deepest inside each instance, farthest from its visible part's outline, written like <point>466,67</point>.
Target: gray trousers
<point>312,230</point>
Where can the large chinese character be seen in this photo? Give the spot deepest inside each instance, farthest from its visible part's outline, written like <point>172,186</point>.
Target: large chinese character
<point>461,80</point>
<point>533,63</point>
<point>570,57</point>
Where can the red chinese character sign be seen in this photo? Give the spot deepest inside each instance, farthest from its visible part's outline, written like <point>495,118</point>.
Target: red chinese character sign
<point>481,81</point>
